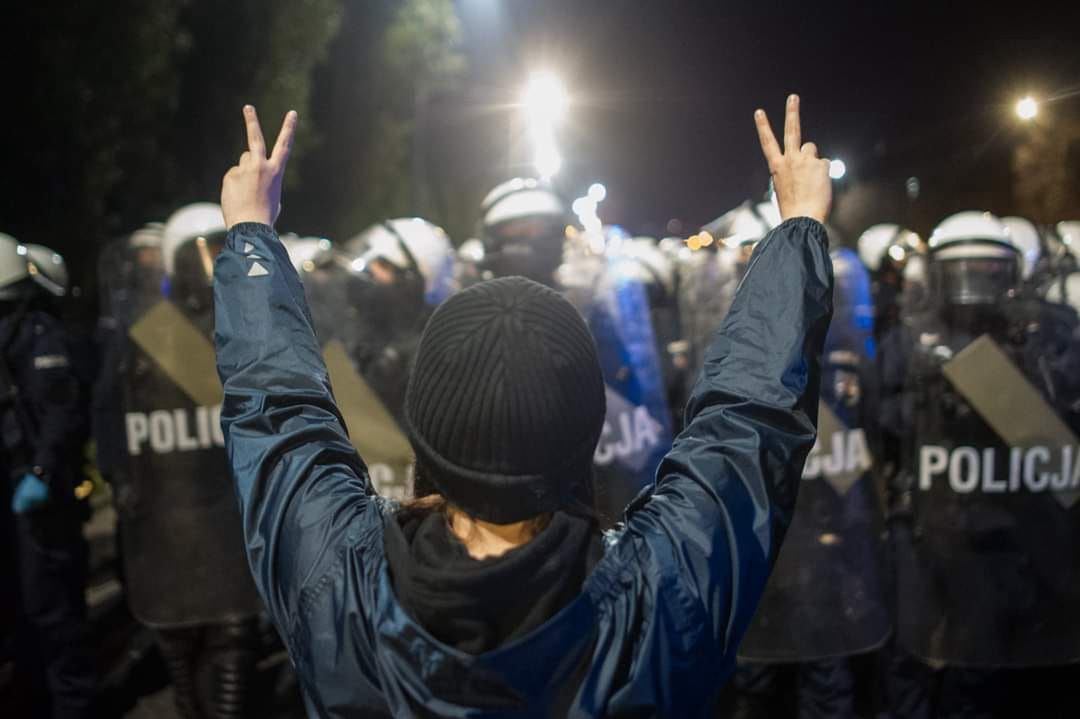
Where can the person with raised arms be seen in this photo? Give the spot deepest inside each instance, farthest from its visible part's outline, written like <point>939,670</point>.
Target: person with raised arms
<point>498,595</point>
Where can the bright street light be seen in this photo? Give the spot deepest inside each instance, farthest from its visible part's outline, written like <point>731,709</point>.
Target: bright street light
<point>1027,108</point>
<point>544,104</point>
<point>837,169</point>
<point>546,158</point>
<point>597,192</point>
<point>545,99</point>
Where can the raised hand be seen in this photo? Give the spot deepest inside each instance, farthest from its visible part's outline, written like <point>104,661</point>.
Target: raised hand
<point>251,190</point>
<point>800,178</point>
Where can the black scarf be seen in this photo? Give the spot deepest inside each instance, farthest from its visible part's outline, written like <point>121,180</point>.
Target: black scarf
<point>477,605</point>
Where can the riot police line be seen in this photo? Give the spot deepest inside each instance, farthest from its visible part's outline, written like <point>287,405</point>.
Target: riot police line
<point>946,462</point>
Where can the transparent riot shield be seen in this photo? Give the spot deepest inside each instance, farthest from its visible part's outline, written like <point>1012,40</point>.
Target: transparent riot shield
<point>368,351</point>
<point>707,282</point>
<point>120,282</point>
<point>988,560</point>
<point>827,594</point>
<point>637,430</point>
<point>183,548</point>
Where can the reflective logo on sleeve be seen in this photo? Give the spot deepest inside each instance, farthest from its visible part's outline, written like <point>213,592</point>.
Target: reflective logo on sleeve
<point>50,361</point>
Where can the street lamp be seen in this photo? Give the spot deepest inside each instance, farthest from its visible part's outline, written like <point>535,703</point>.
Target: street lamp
<point>545,99</point>
<point>544,104</point>
<point>1027,108</point>
<point>837,169</point>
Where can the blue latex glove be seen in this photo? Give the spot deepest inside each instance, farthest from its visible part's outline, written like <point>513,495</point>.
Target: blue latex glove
<point>30,494</point>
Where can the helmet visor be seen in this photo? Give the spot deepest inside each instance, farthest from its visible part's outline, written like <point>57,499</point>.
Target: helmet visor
<point>978,280</point>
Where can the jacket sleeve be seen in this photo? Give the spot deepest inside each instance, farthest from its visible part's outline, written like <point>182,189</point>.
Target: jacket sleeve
<point>56,398</point>
<point>304,492</point>
<point>725,493</point>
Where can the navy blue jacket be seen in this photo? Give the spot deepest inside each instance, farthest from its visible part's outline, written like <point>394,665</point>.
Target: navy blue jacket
<point>53,420</point>
<point>656,625</point>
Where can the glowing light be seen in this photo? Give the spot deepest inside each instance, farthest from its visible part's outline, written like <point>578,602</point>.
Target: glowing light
<point>545,99</point>
<point>1027,108</point>
<point>597,192</point>
<point>583,206</point>
<point>544,104</point>
<point>705,238</point>
<point>897,253</point>
<point>547,159</point>
<point>913,187</point>
<point>694,243</point>
<point>837,169</point>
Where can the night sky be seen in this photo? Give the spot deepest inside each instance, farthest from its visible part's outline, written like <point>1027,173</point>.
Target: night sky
<point>662,101</point>
<point>663,91</point>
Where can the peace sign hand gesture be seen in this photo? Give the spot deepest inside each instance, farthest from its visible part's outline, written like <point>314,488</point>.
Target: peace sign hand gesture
<point>800,178</point>
<point>251,190</point>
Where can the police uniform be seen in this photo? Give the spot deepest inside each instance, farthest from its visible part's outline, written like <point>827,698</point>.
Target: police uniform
<point>980,415</point>
<point>41,436</point>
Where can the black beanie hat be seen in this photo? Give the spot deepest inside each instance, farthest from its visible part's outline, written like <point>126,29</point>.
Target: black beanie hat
<point>505,402</point>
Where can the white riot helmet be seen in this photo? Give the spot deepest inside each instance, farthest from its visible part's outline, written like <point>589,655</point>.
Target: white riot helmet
<point>887,241</point>
<point>519,199</point>
<point>745,225</point>
<point>304,252</point>
<point>874,244</point>
<point>1065,290</point>
<point>651,265</point>
<point>196,228</point>
<point>407,250</point>
<point>523,229</point>
<point>47,268</point>
<point>147,237</point>
<point>974,260</point>
<point>13,268</point>
<point>1026,238</point>
<point>672,247</point>
<point>1069,232</point>
<point>769,212</point>
<point>471,250</point>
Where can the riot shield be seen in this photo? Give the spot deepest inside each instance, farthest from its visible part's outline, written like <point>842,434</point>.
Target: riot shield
<point>827,595</point>
<point>637,431</point>
<point>707,283</point>
<point>988,566</point>
<point>368,359</point>
<point>118,283</point>
<point>183,546</point>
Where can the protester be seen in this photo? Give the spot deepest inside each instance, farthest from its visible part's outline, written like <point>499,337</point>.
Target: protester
<point>500,596</point>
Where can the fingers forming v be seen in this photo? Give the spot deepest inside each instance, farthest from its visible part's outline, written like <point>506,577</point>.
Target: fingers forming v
<point>769,146</point>
<point>256,144</point>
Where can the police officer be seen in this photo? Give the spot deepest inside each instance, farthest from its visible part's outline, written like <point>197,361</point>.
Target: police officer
<point>186,576</point>
<point>1058,258</point>
<point>655,269</point>
<point>826,600</point>
<point>370,298</point>
<point>43,418</point>
<point>980,416</point>
<point>523,232</point>
<point>402,269</point>
<point>1028,242</point>
<point>894,257</point>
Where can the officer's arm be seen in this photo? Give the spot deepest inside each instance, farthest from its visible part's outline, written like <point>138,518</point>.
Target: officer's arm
<point>300,482</point>
<point>55,396</point>
<point>725,493</point>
